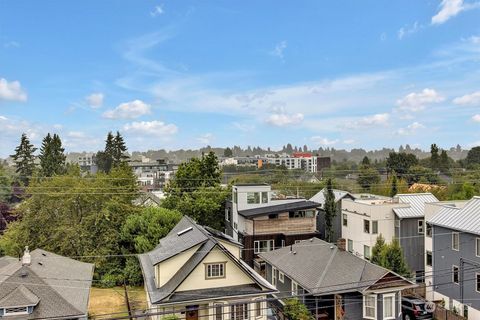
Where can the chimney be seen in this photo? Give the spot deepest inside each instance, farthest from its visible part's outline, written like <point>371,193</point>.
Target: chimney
<point>26,259</point>
<point>341,243</point>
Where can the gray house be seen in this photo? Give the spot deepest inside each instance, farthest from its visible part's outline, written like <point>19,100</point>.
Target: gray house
<point>334,283</point>
<point>44,285</point>
<point>455,257</point>
<point>337,222</point>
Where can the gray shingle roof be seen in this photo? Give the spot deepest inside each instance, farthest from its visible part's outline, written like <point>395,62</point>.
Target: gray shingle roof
<point>295,205</point>
<point>19,297</point>
<point>320,268</point>
<point>417,204</point>
<point>339,195</point>
<point>466,219</point>
<point>61,284</point>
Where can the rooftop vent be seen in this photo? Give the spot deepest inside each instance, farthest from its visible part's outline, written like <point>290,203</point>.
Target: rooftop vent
<point>40,263</point>
<point>184,231</point>
<point>294,252</point>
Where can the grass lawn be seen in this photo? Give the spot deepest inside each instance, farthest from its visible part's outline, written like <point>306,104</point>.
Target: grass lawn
<point>112,300</point>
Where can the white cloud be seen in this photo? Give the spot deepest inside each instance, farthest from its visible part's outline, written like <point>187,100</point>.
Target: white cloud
<point>245,127</point>
<point>323,141</point>
<point>349,141</point>
<point>476,118</point>
<point>11,44</point>
<point>472,99</point>
<point>95,100</point>
<point>379,119</point>
<point>279,49</point>
<point>205,138</point>
<point>417,101</point>
<point>451,8</point>
<point>151,128</point>
<point>128,110</point>
<point>158,10</point>
<point>76,135</point>
<point>410,129</point>
<point>280,118</point>
<point>12,91</point>
<point>408,30</point>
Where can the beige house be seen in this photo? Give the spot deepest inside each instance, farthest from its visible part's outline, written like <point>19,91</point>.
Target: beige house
<point>196,273</point>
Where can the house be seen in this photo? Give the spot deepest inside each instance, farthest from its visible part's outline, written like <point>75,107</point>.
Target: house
<point>401,217</point>
<point>262,223</point>
<point>455,257</point>
<point>196,272</point>
<point>337,221</point>
<point>44,285</point>
<point>334,283</point>
<point>152,175</point>
<point>147,199</point>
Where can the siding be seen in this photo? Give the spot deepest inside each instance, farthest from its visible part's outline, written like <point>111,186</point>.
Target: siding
<point>337,223</point>
<point>413,244</point>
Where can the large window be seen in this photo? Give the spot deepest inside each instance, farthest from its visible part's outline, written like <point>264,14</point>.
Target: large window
<point>370,307</point>
<point>455,274</point>
<point>366,226</point>
<point>388,306</point>
<point>235,196</point>
<point>263,245</point>
<point>366,252</point>
<point>374,227</point>
<point>253,197</point>
<point>420,226</point>
<point>218,307</point>
<point>429,258</point>
<point>215,270</point>
<point>239,312</point>
<point>455,241</point>
<point>345,219</point>
<point>350,245</point>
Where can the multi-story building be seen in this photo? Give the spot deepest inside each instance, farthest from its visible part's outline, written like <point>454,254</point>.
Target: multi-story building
<point>300,160</point>
<point>262,223</point>
<point>152,175</point>
<point>88,162</point>
<point>455,257</point>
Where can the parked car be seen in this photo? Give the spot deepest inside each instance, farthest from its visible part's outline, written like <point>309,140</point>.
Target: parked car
<point>271,314</point>
<point>414,309</point>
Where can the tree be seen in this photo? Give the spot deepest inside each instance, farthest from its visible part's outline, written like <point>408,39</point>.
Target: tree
<point>5,185</point>
<point>421,174</point>
<point>52,157</point>
<point>434,157</point>
<point>296,310</point>
<point>473,157</point>
<point>400,162</point>
<point>366,161</point>
<point>378,250</point>
<point>394,188</point>
<point>119,150</point>
<point>392,257</point>
<point>330,209</point>
<point>24,159</point>
<point>367,177</point>
<point>228,152</point>
<point>105,158</point>
<point>444,162</point>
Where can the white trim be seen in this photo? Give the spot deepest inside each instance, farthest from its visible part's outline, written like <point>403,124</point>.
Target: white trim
<point>294,286</point>
<point>458,242</point>
<point>392,295</point>
<point>422,222</point>
<point>274,276</point>
<point>281,276</point>
<point>215,305</point>
<point>375,310</point>
<point>16,313</point>
<point>255,301</point>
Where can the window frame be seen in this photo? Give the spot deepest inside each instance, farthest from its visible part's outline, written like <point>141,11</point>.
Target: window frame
<point>234,311</point>
<point>281,276</point>
<point>344,219</point>
<point>227,214</point>
<point>294,288</point>
<point>429,253</point>
<point>365,223</point>
<point>477,247</point>
<point>222,271</point>
<point>364,306</point>
<point>258,308</point>
<point>477,283</point>
<point>369,252</point>
<point>256,197</point>
<point>257,249</point>
<point>458,274</point>
<point>458,241</point>
<point>349,241</point>
<point>375,227</point>
<point>264,196</point>
<point>389,295</point>
<point>428,229</point>
<point>15,313</point>
<point>274,276</point>
<point>421,226</point>
<point>215,315</point>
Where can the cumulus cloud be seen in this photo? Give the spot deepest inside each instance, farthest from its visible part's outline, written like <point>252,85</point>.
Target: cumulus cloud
<point>322,141</point>
<point>476,118</point>
<point>410,129</point>
<point>205,138</point>
<point>472,99</point>
<point>157,10</point>
<point>128,110</point>
<point>95,100</point>
<point>450,8</point>
<point>279,49</point>
<point>281,118</point>
<point>12,91</point>
<point>151,128</point>
<point>379,119</point>
<point>417,101</point>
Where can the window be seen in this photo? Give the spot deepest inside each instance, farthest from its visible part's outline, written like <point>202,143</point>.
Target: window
<point>455,275</point>
<point>253,197</point>
<point>477,247</point>
<point>388,306</point>
<point>366,226</point>
<point>258,309</point>
<point>420,226</point>
<point>274,276</point>
<point>345,220</point>
<point>263,245</point>
<point>455,241</point>
<point>397,223</point>
<point>350,245</point>
<point>370,307</point>
<point>218,307</point>
<point>366,252</point>
<point>477,286</point>
<point>281,276</point>
<point>264,197</point>
<point>273,216</point>
<point>239,312</point>
<point>429,258</point>
<point>294,288</point>
<point>374,227</point>
<point>429,230</point>
<point>227,214</point>
<point>215,270</point>
<point>16,311</point>
<point>235,196</point>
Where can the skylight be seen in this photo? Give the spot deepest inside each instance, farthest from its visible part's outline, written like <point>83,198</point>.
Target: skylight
<point>184,231</point>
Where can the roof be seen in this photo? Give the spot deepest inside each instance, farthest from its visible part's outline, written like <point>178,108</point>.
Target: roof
<point>417,203</point>
<point>339,195</point>
<point>278,208</point>
<point>187,235</point>
<point>144,197</point>
<point>320,268</point>
<point>466,219</point>
<point>58,285</point>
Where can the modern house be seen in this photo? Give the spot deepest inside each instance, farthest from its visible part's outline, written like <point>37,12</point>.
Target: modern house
<point>401,217</point>
<point>152,175</point>
<point>337,221</point>
<point>262,223</point>
<point>334,283</point>
<point>196,273</point>
<point>43,285</point>
<point>455,260</point>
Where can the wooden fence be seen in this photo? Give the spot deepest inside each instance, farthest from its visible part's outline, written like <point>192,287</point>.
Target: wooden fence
<point>441,313</point>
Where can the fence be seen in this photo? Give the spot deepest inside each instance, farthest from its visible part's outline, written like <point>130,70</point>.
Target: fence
<point>441,313</point>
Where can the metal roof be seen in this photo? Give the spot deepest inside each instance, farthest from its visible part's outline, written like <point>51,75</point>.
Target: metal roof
<point>466,219</point>
<point>339,195</point>
<point>417,203</point>
<point>279,208</point>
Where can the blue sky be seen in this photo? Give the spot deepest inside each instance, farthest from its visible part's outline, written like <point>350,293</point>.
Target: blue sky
<point>184,74</point>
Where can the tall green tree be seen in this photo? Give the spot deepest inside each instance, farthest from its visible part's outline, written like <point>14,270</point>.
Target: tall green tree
<point>399,163</point>
<point>119,150</point>
<point>394,187</point>
<point>368,177</point>
<point>393,259</point>
<point>444,162</point>
<point>377,250</point>
<point>52,156</point>
<point>330,209</point>
<point>5,184</point>
<point>227,152</point>
<point>434,157</point>
<point>105,158</point>
<point>24,159</point>
<point>473,157</point>
<point>366,161</point>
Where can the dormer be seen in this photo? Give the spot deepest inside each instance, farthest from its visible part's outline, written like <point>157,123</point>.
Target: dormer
<point>20,301</point>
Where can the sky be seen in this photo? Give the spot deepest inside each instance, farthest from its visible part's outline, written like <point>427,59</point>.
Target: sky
<point>186,74</point>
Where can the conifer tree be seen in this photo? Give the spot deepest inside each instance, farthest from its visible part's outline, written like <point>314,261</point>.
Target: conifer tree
<point>24,159</point>
<point>434,157</point>
<point>330,208</point>
<point>377,250</point>
<point>105,158</point>
<point>52,156</point>
<point>119,150</point>
<point>394,188</point>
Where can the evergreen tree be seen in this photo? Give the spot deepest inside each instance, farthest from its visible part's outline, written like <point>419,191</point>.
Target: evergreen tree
<point>330,208</point>
<point>296,310</point>
<point>368,177</point>
<point>24,159</point>
<point>52,157</point>
<point>434,157</point>
<point>365,161</point>
<point>119,150</point>
<point>444,162</point>
<point>227,152</point>
<point>394,188</point>
<point>105,158</point>
<point>378,250</point>
<point>393,259</point>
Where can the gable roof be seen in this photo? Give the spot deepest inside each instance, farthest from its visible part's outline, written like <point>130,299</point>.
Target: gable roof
<point>58,285</point>
<point>320,268</point>
<point>144,197</point>
<point>417,203</point>
<point>466,219</point>
<point>297,204</point>
<point>185,235</point>
<point>339,195</point>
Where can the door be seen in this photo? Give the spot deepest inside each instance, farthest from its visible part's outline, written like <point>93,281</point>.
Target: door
<point>192,313</point>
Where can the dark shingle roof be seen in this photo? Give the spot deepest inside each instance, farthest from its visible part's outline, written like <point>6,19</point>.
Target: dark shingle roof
<point>285,207</point>
<point>20,297</point>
